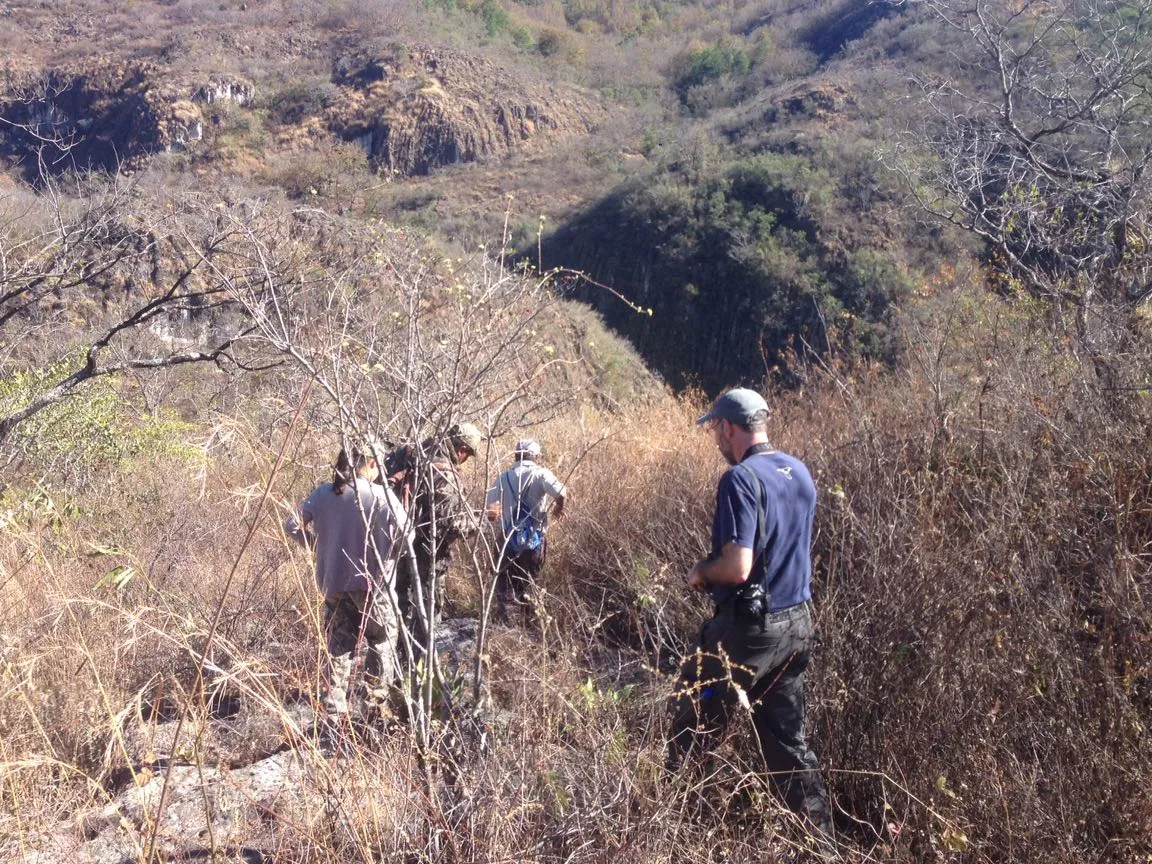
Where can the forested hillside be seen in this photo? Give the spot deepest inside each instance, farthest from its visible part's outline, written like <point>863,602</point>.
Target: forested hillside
<point>236,237</point>
<point>724,144</point>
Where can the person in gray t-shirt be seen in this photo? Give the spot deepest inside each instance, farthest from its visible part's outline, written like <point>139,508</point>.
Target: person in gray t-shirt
<point>358,529</point>
<point>519,499</point>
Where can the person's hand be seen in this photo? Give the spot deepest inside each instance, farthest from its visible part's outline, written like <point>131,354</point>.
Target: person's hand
<point>471,522</point>
<point>696,580</point>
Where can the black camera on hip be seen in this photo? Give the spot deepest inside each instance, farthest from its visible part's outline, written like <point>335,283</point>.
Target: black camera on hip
<point>752,602</point>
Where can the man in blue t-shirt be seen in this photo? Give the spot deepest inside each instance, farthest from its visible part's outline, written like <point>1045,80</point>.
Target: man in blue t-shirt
<point>759,640</point>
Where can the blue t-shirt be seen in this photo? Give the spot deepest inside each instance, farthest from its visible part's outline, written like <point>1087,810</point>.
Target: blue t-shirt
<point>789,497</point>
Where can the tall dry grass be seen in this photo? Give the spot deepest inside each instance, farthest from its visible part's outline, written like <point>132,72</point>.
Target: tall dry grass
<point>980,693</point>
<point>566,763</point>
<point>983,546</point>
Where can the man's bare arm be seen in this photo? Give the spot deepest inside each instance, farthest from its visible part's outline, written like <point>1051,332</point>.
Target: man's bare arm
<point>731,568</point>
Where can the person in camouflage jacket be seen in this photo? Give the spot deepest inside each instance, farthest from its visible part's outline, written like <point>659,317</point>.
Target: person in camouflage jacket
<point>427,480</point>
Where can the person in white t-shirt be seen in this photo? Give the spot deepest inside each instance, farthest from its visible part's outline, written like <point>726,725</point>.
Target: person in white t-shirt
<point>357,530</point>
<point>520,499</point>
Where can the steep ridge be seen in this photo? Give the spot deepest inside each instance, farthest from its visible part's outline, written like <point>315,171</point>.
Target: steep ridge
<point>412,111</point>
<point>421,108</point>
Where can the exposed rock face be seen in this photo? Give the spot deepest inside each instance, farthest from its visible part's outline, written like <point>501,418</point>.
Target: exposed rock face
<point>424,108</point>
<point>411,111</point>
<point>184,123</point>
<point>225,88</point>
<point>101,117</point>
<point>107,115</point>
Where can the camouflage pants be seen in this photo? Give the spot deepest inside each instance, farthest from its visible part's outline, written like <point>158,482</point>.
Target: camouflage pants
<point>353,619</point>
<point>432,577</point>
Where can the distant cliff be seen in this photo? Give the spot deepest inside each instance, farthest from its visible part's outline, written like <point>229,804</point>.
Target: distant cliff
<point>412,110</point>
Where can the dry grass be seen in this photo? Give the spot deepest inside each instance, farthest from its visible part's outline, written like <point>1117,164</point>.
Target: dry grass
<point>980,691</point>
<point>90,669</point>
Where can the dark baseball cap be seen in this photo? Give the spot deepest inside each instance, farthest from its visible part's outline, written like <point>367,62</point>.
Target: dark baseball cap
<point>736,406</point>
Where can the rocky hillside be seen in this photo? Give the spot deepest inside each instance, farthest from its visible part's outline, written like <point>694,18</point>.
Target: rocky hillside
<point>106,113</point>
<point>417,109</point>
<point>411,110</point>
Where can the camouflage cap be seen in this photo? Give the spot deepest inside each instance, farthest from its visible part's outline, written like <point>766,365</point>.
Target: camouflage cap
<point>467,436</point>
<point>374,447</point>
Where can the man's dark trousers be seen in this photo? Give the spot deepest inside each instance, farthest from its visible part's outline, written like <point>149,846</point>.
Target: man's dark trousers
<point>516,580</point>
<point>766,656</point>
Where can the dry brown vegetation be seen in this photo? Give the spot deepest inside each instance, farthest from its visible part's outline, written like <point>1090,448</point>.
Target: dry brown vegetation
<point>983,686</point>
<point>980,693</point>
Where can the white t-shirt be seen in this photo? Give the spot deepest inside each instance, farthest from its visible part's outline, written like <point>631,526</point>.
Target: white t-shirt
<point>531,486</point>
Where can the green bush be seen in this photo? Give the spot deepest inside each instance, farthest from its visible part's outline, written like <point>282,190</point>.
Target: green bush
<point>740,261</point>
<point>549,42</point>
<point>79,435</point>
<point>709,64</point>
<point>496,20</point>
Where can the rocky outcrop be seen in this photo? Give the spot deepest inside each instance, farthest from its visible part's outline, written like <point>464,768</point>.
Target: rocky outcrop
<point>825,100</point>
<point>233,781</point>
<point>412,111</point>
<point>210,814</point>
<point>183,123</point>
<point>109,115</point>
<point>423,108</point>
<point>248,778</point>
<point>103,116</point>
<point>225,89</point>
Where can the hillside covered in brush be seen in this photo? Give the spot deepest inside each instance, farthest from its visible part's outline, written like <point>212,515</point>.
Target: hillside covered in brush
<point>235,234</point>
<point>662,149</point>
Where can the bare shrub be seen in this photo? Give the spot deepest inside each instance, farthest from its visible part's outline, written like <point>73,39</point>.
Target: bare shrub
<point>981,689</point>
<point>1038,146</point>
<point>981,548</point>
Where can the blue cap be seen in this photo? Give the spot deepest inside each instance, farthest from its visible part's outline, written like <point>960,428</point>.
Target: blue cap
<point>736,406</point>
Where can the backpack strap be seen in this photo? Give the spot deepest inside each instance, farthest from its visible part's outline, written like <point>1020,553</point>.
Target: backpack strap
<point>761,521</point>
<point>518,515</point>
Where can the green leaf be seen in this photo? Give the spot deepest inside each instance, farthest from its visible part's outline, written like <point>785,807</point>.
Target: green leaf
<point>99,549</point>
<point>954,839</point>
<point>942,785</point>
<point>116,578</point>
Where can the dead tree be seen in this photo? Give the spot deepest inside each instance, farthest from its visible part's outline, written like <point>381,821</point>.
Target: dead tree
<point>1038,140</point>
<point>104,281</point>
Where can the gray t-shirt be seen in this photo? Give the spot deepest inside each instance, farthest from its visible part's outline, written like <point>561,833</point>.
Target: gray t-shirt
<point>356,544</point>
<point>529,484</point>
